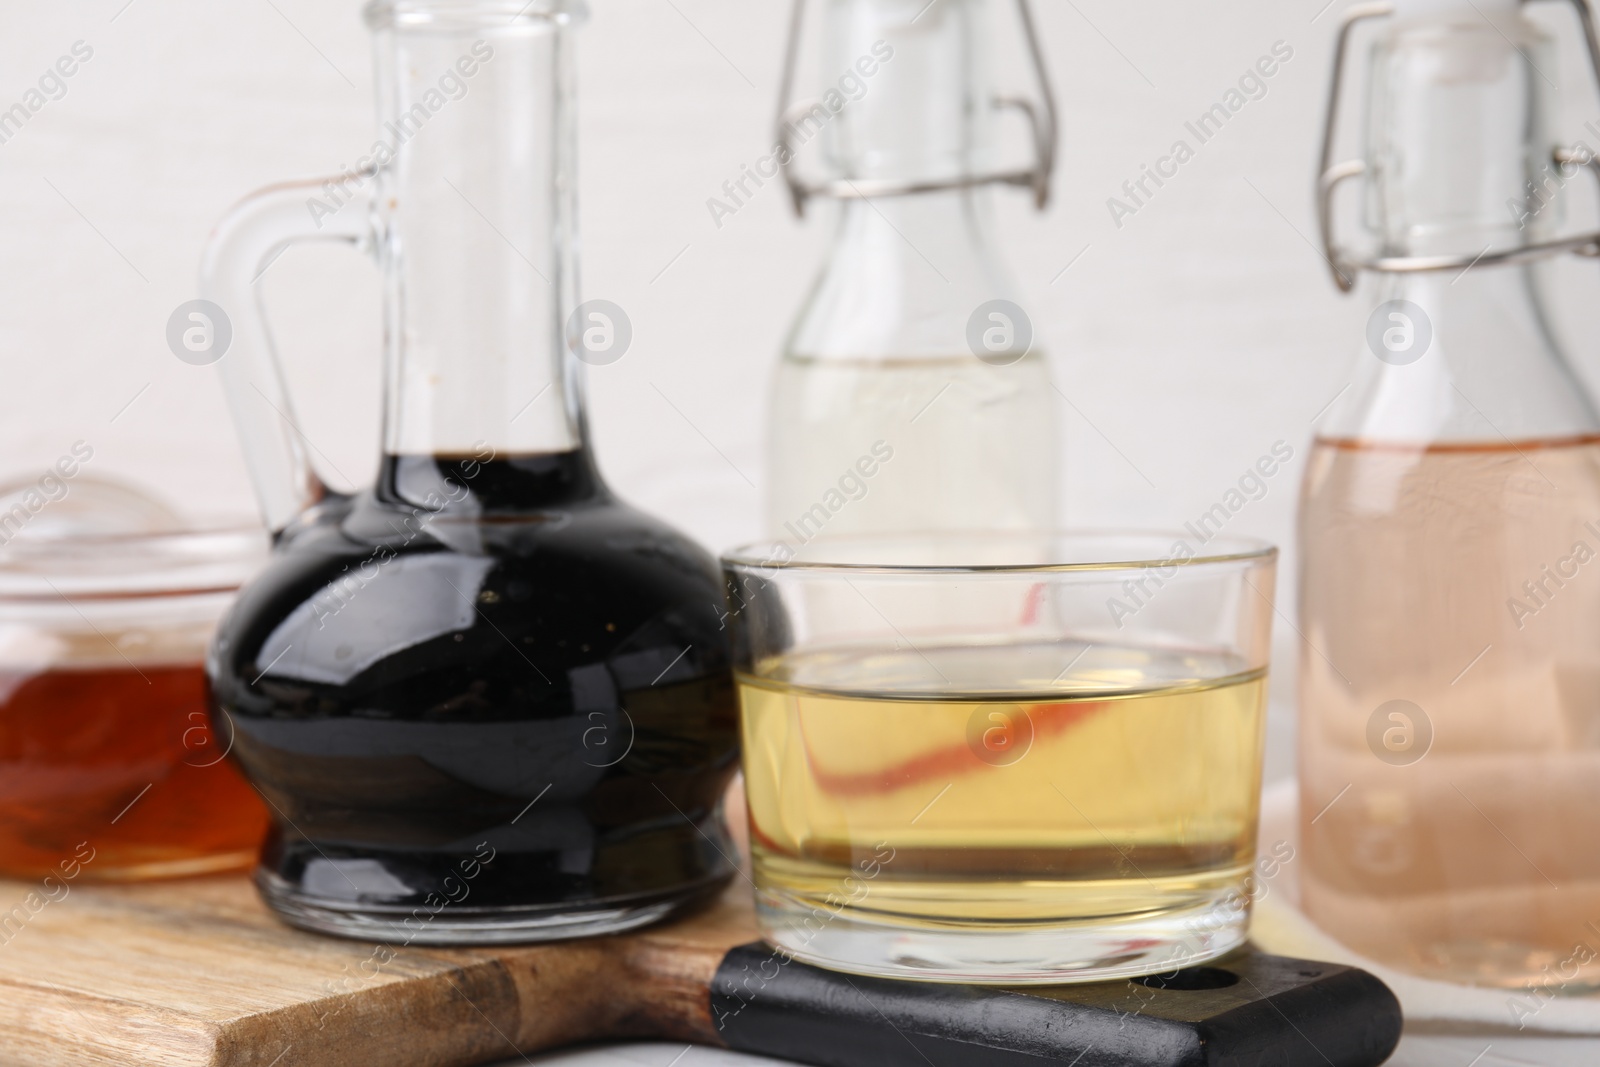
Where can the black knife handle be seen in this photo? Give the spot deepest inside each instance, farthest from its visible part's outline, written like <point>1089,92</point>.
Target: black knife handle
<point>1246,1010</point>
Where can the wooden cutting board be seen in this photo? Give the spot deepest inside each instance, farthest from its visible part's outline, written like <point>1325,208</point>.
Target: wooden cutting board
<point>199,972</point>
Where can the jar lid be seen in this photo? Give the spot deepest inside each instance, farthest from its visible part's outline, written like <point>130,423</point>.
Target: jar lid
<point>96,538</point>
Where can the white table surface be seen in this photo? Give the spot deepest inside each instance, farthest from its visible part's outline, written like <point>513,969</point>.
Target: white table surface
<point>644,1054</point>
<point>1415,1051</point>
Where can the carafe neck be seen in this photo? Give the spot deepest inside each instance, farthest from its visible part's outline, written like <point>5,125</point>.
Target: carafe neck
<point>474,176</point>
<point>488,484</point>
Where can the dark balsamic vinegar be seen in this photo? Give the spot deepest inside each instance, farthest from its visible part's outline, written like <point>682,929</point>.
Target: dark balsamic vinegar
<point>485,694</point>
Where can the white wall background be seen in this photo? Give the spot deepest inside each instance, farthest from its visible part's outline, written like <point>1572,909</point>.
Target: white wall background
<point>1193,337</point>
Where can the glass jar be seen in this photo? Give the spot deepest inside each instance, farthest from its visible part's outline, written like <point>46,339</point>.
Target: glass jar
<point>109,767</point>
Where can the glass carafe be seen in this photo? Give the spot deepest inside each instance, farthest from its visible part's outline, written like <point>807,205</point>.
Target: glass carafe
<point>1450,517</point>
<point>911,394</point>
<point>484,699</point>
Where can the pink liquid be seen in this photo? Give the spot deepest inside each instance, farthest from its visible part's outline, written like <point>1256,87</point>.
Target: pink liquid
<point>1465,580</point>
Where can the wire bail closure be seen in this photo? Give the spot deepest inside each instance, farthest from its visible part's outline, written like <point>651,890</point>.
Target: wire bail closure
<point>1042,122</point>
<point>1346,267</point>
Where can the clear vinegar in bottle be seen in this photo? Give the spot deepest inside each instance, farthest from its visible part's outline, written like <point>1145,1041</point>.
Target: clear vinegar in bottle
<point>890,410</point>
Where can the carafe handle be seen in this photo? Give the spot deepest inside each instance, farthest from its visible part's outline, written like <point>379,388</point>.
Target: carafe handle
<point>247,240</point>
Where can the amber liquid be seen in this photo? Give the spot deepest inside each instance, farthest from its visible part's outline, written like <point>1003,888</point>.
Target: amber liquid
<point>1465,580</point>
<point>1128,788</point>
<point>123,759</point>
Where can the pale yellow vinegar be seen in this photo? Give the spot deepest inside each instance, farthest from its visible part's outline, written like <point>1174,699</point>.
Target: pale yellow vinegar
<point>1137,794</point>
